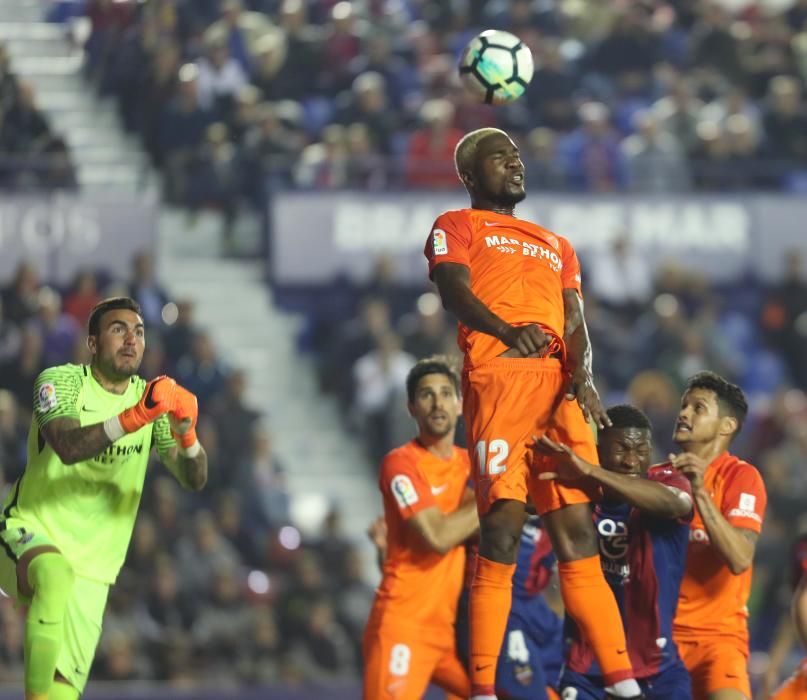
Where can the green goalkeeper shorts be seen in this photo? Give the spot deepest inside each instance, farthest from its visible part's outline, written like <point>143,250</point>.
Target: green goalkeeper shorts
<point>85,607</point>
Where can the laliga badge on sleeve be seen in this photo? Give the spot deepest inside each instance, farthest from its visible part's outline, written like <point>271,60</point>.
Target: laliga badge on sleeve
<point>47,397</point>
<point>404,491</point>
<point>439,242</point>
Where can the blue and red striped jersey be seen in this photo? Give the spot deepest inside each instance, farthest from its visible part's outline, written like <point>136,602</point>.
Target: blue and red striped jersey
<point>643,558</point>
<point>535,562</point>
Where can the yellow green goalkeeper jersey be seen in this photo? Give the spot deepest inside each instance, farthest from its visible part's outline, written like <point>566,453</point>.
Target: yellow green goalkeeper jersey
<point>86,509</point>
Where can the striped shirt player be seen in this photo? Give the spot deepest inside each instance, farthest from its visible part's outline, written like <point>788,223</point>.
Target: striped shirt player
<point>643,558</point>
<point>642,526</point>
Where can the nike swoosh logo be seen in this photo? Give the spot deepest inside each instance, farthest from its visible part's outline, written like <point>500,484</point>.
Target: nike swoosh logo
<point>89,410</point>
<point>79,671</point>
<point>621,651</point>
<point>149,401</point>
<point>492,223</point>
<point>481,668</point>
<point>437,490</point>
<point>43,622</point>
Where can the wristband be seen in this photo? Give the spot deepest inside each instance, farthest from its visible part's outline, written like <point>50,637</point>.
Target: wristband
<point>191,451</point>
<point>113,429</point>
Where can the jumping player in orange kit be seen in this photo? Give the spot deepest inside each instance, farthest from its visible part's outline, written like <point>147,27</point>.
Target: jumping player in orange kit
<point>516,289</point>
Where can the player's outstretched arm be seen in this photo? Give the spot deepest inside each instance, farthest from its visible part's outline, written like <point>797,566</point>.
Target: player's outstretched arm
<point>579,359</point>
<point>185,457</point>
<point>454,284</point>
<point>735,544</point>
<point>73,443</point>
<point>648,496</point>
<point>442,532</point>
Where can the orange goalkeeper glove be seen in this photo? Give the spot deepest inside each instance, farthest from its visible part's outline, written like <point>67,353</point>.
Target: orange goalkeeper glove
<point>159,397</point>
<point>183,420</point>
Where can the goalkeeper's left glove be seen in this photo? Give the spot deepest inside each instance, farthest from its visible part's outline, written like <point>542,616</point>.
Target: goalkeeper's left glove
<point>183,422</point>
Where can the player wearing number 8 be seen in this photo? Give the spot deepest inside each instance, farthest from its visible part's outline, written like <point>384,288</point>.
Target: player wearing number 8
<point>429,512</point>
<point>516,289</point>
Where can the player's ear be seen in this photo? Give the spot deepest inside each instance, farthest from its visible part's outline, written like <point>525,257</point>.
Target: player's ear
<point>467,180</point>
<point>92,344</point>
<point>728,426</point>
<point>410,407</point>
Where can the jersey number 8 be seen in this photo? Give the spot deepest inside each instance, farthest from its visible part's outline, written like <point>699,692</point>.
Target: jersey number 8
<point>399,660</point>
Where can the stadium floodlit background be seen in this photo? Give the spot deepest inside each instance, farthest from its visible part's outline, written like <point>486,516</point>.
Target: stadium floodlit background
<point>262,175</point>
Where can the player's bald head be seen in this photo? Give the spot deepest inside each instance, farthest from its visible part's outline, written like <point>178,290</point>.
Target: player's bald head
<point>465,154</point>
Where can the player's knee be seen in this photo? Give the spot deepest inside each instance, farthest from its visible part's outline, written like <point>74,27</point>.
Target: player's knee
<point>501,533</point>
<point>572,532</point>
<point>51,576</point>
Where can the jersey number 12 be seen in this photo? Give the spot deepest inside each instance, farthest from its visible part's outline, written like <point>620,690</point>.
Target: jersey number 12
<point>491,458</point>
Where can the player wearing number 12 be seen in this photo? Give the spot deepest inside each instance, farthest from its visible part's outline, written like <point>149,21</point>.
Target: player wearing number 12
<point>67,521</point>
<point>515,288</point>
<point>429,512</point>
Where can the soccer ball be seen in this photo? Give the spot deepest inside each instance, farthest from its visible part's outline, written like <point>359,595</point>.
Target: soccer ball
<point>496,67</point>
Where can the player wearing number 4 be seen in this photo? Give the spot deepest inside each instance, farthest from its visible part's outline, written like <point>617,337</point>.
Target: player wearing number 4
<point>515,288</point>
<point>429,512</point>
<point>67,521</point>
<point>643,527</point>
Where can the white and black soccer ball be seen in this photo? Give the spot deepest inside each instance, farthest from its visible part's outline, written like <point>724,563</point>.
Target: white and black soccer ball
<point>496,67</point>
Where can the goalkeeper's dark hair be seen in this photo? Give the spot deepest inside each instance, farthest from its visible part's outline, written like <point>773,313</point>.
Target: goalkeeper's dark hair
<point>436,364</point>
<point>730,398</point>
<point>625,416</point>
<point>111,304</point>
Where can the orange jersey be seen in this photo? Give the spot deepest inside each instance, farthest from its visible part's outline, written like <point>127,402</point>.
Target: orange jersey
<point>412,479</point>
<point>518,270</point>
<point>712,599</point>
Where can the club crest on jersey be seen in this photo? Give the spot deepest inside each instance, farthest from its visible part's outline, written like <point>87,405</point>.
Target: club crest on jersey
<point>404,491</point>
<point>439,242</point>
<point>511,245</point>
<point>47,397</point>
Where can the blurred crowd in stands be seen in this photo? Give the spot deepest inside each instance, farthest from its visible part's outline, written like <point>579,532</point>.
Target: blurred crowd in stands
<point>219,588</point>
<point>32,156</point>
<point>646,95</point>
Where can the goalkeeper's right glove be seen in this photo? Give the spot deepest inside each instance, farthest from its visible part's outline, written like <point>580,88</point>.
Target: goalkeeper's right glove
<point>159,397</point>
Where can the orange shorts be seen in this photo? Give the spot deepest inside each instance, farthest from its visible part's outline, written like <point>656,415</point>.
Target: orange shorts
<point>795,687</point>
<point>400,662</point>
<point>507,401</point>
<point>715,663</point>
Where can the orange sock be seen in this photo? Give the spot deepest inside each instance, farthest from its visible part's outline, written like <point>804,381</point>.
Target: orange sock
<point>592,605</point>
<point>491,595</point>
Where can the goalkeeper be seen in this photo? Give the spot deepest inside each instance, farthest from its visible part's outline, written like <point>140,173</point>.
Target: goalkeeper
<point>67,521</point>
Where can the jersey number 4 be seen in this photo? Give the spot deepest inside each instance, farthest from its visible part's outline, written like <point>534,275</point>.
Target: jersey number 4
<point>492,458</point>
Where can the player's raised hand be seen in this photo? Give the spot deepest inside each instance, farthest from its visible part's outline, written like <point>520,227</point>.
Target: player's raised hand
<point>691,466</point>
<point>581,387</point>
<point>183,417</point>
<point>568,465</point>
<point>159,397</point>
<point>529,340</point>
